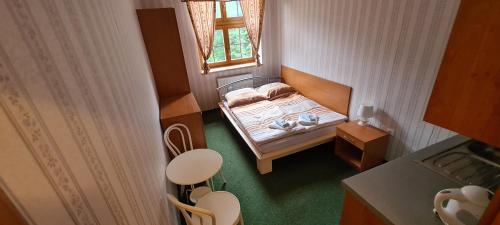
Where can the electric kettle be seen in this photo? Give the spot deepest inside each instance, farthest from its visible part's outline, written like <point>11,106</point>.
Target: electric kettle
<point>465,205</point>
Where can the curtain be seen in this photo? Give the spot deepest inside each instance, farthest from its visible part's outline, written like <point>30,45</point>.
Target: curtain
<point>202,14</point>
<point>253,14</point>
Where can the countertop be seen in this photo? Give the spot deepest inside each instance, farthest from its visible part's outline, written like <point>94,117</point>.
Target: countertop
<point>402,191</point>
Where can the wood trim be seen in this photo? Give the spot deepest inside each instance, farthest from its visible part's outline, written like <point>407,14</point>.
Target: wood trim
<point>9,214</point>
<point>222,10</point>
<point>235,21</point>
<point>224,23</point>
<point>492,214</point>
<point>328,93</point>
<point>264,165</point>
<point>225,33</point>
<point>303,146</point>
<point>232,63</point>
<point>183,109</point>
<point>354,212</point>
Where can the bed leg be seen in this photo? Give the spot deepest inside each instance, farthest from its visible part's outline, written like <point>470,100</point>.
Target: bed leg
<point>264,165</point>
<point>221,114</point>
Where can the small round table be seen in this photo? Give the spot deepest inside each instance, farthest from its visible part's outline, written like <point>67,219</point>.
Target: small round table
<point>195,166</point>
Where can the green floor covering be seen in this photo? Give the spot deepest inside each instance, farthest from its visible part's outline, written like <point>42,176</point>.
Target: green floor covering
<point>303,189</point>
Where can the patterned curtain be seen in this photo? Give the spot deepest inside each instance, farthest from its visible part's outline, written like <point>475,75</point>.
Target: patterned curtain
<point>202,15</point>
<point>253,14</point>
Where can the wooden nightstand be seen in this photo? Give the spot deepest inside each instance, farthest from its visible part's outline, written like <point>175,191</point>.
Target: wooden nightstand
<point>361,147</point>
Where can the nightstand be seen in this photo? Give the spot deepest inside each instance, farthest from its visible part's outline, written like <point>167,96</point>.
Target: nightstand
<point>361,147</point>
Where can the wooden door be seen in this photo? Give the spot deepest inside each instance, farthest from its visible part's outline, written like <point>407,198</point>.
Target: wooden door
<point>466,95</point>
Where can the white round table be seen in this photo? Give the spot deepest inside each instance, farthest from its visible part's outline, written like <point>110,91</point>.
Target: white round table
<point>195,166</point>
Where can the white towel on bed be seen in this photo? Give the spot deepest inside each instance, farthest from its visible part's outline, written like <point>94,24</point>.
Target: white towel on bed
<point>255,119</point>
<point>282,124</point>
<point>308,119</point>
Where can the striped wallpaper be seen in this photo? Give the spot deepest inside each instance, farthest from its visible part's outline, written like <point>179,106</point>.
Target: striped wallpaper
<point>79,131</point>
<point>388,51</point>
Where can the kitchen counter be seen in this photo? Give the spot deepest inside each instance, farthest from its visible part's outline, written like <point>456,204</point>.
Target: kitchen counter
<point>402,191</point>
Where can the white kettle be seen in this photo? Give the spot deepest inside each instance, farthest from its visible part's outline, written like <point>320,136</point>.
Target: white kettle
<point>465,205</point>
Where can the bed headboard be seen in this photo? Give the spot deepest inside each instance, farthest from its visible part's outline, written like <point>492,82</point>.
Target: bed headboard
<point>330,94</point>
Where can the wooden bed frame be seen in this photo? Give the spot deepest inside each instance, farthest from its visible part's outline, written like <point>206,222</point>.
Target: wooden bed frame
<point>330,94</point>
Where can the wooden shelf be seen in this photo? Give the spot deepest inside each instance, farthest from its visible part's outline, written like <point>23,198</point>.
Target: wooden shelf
<point>183,109</point>
<point>178,105</point>
<point>361,147</point>
<point>350,158</point>
<point>348,153</point>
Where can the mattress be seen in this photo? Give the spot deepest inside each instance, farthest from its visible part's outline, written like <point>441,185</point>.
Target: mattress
<point>255,119</point>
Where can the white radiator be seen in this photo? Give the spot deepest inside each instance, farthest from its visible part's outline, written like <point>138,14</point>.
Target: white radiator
<point>221,81</point>
<point>235,82</point>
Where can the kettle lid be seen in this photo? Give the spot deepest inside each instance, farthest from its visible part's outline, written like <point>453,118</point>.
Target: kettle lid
<point>477,195</point>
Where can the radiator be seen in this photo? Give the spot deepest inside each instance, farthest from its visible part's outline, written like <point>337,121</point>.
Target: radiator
<point>221,81</point>
<point>230,83</point>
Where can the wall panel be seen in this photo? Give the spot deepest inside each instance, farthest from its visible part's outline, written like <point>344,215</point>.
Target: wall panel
<point>81,140</point>
<point>388,51</point>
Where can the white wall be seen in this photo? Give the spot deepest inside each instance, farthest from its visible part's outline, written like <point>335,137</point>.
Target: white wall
<point>79,131</point>
<point>388,51</point>
<point>204,86</point>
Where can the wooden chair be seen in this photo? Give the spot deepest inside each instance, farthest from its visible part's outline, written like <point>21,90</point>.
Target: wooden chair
<point>215,208</point>
<point>183,130</point>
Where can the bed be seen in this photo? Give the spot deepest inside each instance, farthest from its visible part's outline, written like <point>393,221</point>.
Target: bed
<point>326,99</point>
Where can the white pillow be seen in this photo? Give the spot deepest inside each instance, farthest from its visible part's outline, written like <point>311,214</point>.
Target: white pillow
<point>276,90</point>
<point>243,96</point>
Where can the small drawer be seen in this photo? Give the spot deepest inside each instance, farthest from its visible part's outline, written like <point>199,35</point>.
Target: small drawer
<point>349,138</point>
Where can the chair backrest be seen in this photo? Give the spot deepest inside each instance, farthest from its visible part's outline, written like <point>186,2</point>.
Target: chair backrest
<point>205,216</point>
<point>170,145</point>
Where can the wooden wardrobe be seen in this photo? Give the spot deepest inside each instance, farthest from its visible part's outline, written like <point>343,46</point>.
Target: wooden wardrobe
<point>163,44</point>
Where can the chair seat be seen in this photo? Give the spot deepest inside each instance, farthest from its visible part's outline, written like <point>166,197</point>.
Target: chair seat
<point>224,205</point>
<point>199,192</point>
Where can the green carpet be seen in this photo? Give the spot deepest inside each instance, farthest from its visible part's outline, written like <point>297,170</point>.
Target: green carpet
<point>303,189</point>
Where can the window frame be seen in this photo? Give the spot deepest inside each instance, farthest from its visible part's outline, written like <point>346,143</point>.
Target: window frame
<point>225,23</point>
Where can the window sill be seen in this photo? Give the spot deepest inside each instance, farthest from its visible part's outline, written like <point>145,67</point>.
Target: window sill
<point>233,67</point>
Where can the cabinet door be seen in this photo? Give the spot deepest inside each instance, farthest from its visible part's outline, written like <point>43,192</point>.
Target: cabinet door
<point>354,212</point>
<point>466,95</point>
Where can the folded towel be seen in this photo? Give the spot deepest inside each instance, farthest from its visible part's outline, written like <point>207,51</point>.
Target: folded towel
<point>282,124</point>
<point>308,119</point>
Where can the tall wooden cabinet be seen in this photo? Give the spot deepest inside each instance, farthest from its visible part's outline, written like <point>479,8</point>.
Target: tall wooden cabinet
<point>466,95</point>
<point>163,44</point>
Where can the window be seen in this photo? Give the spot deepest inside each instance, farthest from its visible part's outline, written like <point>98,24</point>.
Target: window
<point>231,43</point>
